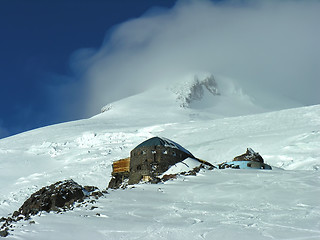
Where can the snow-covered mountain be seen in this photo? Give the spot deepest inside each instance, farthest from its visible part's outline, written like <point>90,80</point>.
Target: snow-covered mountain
<point>211,117</point>
<point>193,97</point>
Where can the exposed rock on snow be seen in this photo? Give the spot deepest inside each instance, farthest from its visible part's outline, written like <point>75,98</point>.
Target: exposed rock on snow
<point>250,155</point>
<point>59,196</point>
<point>183,166</point>
<point>106,108</point>
<point>51,198</point>
<point>193,90</point>
<point>4,233</point>
<point>188,167</point>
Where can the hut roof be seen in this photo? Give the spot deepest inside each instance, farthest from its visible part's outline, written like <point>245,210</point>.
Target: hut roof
<point>161,141</point>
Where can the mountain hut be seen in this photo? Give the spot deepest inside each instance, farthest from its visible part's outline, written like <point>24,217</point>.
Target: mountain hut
<point>153,157</point>
<point>148,160</point>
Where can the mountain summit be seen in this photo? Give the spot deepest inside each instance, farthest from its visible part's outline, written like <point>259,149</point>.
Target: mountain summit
<point>194,89</point>
<point>194,96</point>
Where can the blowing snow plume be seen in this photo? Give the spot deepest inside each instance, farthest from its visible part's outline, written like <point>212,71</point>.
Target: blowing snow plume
<point>267,45</point>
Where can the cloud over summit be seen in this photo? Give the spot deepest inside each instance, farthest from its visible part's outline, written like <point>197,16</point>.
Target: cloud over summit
<point>270,44</point>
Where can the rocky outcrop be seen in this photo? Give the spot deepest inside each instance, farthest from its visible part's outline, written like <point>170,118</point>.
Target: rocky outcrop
<point>51,198</point>
<point>250,155</point>
<point>191,91</point>
<point>60,196</point>
<point>106,108</point>
<point>119,180</point>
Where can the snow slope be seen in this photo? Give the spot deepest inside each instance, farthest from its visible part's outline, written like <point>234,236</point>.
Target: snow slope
<point>220,204</point>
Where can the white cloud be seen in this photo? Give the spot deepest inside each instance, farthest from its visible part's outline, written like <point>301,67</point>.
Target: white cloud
<point>270,44</point>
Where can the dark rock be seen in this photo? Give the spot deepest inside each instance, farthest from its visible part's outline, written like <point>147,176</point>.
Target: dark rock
<point>96,194</point>
<point>250,155</point>
<point>90,188</point>
<point>118,180</point>
<point>228,165</point>
<point>4,233</point>
<point>15,214</point>
<point>51,198</point>
<point>168,177</point>
<point>194,171</point>
<point>58,197</point>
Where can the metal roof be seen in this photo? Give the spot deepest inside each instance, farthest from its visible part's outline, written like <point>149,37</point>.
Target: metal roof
<point>161,141</point>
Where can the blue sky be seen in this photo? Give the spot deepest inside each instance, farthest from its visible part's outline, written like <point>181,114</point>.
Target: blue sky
<point>63,60</point>
<point>37,41</point>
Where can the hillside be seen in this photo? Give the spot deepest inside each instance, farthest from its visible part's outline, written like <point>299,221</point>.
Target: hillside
<point>220,204</point>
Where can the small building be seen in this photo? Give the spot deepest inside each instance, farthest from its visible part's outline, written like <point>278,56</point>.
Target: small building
<point>153,157</point>
<point>248,160</point>
<point>148,160</point>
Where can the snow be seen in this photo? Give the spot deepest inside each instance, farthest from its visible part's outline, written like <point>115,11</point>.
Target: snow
<point>184,166</point>
<point>220,204</point>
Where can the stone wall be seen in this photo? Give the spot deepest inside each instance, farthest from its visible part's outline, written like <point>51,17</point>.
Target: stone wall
<point>152,161</point>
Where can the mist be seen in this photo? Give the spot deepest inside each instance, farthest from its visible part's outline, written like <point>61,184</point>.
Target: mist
<point>270,45</point>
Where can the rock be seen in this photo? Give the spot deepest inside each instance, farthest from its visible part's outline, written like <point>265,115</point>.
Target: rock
<point>194,89</point>
<point>167,177</point>
<point>90,188</point>
<point>15,214</point>
<point>106,108</point>
<point>250,155</point>
<point>4,233</point>
<point>58,197</point>
<point>51,198</point>
<point>193,172</point>
<point>119,180</point>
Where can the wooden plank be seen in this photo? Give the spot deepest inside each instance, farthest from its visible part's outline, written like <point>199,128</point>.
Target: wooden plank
<point>122,165</point>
